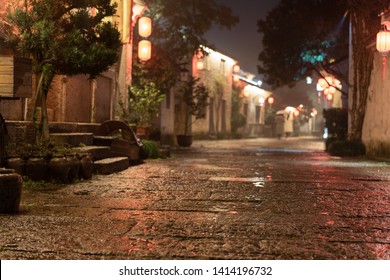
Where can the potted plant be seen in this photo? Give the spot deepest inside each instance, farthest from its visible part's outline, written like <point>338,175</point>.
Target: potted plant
<point>144,102</point>
<point>195,97</point>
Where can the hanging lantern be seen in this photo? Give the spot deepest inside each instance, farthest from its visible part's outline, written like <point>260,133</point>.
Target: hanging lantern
<point>322,84</point>
<point>332,90</point>
<point>271,100</point>
<point>199,65</point>
<point>144,50</point>
<point>329,81</point>
<point>261,101</point>
<point>145,26</point>
<point>383,42</point>
<point>383,47</point>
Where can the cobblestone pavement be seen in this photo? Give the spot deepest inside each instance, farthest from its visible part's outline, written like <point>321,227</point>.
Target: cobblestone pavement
<point>242,199</point>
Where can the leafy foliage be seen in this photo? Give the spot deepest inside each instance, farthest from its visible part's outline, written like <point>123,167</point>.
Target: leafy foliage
<point>70,35</point>
<point>196,100</point>
<point>182,32</point>
<point>144,103</point>
<point>299,35</point>
<point>62,37</point>
<point>149,149</point>
<point>176,35</point>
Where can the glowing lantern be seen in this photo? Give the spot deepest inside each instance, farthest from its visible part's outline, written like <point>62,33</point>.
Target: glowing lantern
<point>144,50</point>
<point>271,100</point>
<point>383,47</point>
<point>145,27</point>
<point>261,101</point>
<point>322,84</point>
<point>329,80</point>
<point>326,92</point>
<point>383,42</point>
<point>329,97</point>
<point>236,68</point>
<point>199,65</point>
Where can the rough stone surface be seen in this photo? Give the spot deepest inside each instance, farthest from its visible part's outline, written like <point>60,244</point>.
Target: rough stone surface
<point>245,199</point>
<point>111,165</point>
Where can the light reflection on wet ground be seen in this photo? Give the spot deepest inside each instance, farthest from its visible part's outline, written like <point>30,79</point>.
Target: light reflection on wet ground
<point>217,200</point>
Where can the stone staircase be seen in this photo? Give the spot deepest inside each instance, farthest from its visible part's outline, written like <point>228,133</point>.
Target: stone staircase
<point>110,155</point>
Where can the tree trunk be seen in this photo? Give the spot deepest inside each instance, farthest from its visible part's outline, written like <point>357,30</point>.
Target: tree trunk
<point>43,86</point>
<point>363,58</point>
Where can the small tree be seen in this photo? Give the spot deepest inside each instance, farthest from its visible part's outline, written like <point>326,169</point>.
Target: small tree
<point>196,100</point>
<point>65,37</point>
<point>144,103</point>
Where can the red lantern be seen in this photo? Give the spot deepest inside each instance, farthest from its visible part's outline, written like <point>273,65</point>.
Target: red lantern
<point>144,50</point>
<point>145,27</point>
<point>383,47</point>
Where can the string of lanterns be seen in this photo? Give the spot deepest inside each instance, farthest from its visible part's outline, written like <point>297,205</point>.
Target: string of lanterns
<point>144,46</point>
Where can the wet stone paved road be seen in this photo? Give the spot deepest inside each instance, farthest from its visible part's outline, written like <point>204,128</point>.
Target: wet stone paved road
<point>246,199</point>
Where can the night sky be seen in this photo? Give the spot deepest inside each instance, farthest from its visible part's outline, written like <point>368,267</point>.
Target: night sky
<point>243,42</point>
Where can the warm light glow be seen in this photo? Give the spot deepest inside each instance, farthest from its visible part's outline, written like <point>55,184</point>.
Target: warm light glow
<point>322,84</point>
<point>144,50</point>
<point>383,42</point>
<point>138,10</point>
<point>329,97</point>
<point>217,56</point>
<point>329,81</point>
<point>200,65</point>
<point>296,113</point>
<point>261,101</point>
<point>271,100</point>
<point>236,78</point>
<point>236,68</point>
<point>145,27</point>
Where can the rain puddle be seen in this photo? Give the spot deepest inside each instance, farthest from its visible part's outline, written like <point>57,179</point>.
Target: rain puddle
<point>258,182</point>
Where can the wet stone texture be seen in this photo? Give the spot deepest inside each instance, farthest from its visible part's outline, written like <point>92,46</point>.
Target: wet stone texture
<point>246,199</point>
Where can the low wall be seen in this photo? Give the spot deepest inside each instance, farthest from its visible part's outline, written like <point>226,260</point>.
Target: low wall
<point>22,131</point>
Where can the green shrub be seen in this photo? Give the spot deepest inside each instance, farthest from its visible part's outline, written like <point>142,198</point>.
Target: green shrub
<point>347,148</point>
<point>149,149</point>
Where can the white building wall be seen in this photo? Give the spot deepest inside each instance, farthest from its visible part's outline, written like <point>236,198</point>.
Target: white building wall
<point>376,128</point>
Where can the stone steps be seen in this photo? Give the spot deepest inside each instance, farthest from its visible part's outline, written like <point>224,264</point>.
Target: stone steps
<point>72,138</point>
<point>97,152</point>
<point>111,165</point>
<point>107,158</point>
